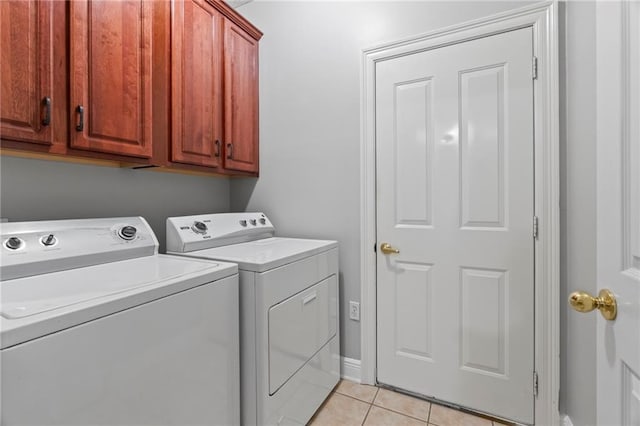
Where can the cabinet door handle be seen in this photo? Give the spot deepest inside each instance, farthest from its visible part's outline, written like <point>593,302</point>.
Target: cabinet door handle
<point>230,151</point>
<point>310,298</point>
<point>216,153</point>
<point>80,111</point>
<point>46,102</point>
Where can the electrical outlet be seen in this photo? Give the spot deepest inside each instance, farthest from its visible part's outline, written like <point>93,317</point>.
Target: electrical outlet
<point>354,311</point>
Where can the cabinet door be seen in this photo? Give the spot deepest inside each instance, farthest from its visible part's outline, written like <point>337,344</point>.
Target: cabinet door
<point>110,81</point>
<point>241,99</point>
<point>196,69</point>
<point>25,71</point>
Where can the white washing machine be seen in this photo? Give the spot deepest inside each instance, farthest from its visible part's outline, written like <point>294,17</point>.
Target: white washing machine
<point>97,328</point>
<point>289,331</point>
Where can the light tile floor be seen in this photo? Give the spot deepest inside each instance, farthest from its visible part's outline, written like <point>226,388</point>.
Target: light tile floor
<point>355,404</point>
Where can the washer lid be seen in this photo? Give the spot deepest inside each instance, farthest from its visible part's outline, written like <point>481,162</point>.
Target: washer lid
<point>263,255</point>
<point>43,304</point>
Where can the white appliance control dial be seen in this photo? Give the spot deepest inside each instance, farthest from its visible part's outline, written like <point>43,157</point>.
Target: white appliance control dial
<point>13,243</point>
<point>199,227</point>
<point>127,232</point>
<point>216,229</point>
<point>34,248</point>
<point>49,240</point>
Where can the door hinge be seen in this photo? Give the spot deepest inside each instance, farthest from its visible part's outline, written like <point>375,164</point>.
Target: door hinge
<point>535,68</point>
<point>535,384</point>
<point>535,227</point>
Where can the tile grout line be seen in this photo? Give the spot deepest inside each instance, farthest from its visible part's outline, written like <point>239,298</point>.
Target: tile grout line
<point>370,405</point>
<point>366,415</point>
<point>401,413</point>
<point>349,396</point>
<point>431,404</point>
<point>353,397</point>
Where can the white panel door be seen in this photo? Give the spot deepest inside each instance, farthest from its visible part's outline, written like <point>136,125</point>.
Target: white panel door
<point>618,341</point>
<point>455,194</point>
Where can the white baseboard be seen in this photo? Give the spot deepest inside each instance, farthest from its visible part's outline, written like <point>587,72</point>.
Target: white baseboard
<point>350,369</point>
<point>566,421</point>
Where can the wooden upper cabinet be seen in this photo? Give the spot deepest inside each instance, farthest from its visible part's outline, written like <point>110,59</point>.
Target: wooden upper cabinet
<point>240,99</point>
<point>196,70</point>
<point>110,76</point>
<point>214,87</point>
<point>26,64</point>
<point>170,84</point>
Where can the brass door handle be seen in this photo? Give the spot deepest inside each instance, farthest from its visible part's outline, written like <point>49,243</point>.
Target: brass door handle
<point>582,301</point>
<point>387,248</point>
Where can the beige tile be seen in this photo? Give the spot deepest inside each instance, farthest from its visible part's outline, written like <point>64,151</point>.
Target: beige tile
<point>364,393</point>
<point>380,417</point>
<point>340,410</point>
<point>444,416</point>
<point>402,404</point>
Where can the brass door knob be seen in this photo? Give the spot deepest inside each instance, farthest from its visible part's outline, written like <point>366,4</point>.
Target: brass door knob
<point>582,301</point>
<point>387,248</point>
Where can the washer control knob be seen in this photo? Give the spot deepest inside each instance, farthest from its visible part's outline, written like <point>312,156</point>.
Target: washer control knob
<point>199,227</point>
<point>48,240</point>
<point>252,221</point>
<point>13,243</point>
<point>263,220</point>
<point>127,232</point>
<point>243,222</point>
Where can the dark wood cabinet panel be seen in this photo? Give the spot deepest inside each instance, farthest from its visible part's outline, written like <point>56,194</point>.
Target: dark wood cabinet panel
<point>140,83</point>
<point>241,99</point>
<point>110,76</point>
<point>26,64</point>
<point>196,83</point>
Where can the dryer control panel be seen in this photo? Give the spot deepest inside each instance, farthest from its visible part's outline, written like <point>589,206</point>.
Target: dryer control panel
<point>34,248</point>
<point>189,233</point>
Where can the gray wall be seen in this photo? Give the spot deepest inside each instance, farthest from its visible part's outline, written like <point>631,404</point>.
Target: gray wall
<point>310,116</point>
<point>39,190</point>
<point>310,134</point>
<point>578,209</point>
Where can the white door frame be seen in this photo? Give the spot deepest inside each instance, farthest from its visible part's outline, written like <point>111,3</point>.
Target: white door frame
<point>542,17</point>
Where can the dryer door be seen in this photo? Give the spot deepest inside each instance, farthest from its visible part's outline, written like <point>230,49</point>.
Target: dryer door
<point>299,327</point>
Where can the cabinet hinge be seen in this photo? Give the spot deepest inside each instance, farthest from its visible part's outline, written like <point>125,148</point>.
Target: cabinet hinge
<point>535,68</point>
<point>535,227</point>
<point>535,384</point>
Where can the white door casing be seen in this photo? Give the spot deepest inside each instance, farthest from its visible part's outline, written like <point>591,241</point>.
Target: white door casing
<point>455,195</point>
<point>618,203</point>
<point>541,17</point>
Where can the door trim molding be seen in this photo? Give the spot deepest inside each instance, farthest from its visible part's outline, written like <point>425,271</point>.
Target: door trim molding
<point>542,18</point>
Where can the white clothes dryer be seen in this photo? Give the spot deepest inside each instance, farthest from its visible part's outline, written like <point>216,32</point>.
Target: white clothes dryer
<point>98,328</point>
<point>289,330</point>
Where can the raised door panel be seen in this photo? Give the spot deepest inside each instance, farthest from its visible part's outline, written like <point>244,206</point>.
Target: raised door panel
<point>240,99</point>
<point>413,148</point>
<point>196,83</point>
<point>25,71</point>
<point>110,60</point>
<point>482,177</point>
